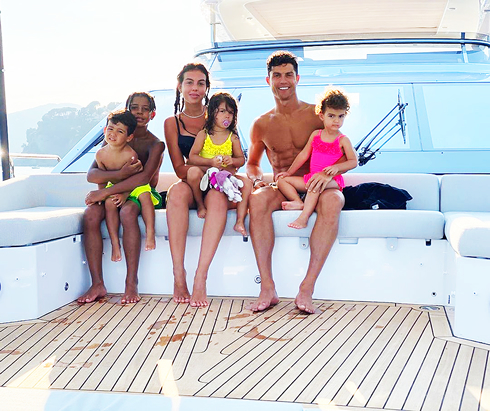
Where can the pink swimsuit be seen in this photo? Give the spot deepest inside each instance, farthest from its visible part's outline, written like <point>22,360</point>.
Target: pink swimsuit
<point>323,155</point>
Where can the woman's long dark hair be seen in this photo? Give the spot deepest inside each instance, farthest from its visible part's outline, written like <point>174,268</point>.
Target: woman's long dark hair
<point>179,103</point>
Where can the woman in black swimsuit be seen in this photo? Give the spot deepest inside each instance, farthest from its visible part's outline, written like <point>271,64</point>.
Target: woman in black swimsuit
<point>180,130</point>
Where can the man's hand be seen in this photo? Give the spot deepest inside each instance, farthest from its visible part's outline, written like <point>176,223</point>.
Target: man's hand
<point>332,170</point>
<point>130,168</point>
<point>119,199</point>
<point>318,182</point>
<point>96,196</point>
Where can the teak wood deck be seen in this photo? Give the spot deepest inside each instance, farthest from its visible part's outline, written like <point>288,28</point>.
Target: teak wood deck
<point>352,355</point>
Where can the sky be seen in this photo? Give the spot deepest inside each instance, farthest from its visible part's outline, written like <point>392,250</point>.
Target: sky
<point>79,51</point>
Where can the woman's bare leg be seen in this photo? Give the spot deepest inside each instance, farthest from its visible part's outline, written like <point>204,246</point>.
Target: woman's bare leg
<point>179,201</point>
<point>214,226</point>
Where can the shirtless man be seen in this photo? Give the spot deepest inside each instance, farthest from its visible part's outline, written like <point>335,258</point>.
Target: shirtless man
<point>282,133</point>
<point>150,154</point>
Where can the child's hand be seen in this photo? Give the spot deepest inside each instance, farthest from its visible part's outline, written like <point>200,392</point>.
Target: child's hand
<point>226,161</point>
<point>331,170</point>
<point>216,161</point>
<point>96,196</point>
<point>119,199</point>
<point>281,175</point>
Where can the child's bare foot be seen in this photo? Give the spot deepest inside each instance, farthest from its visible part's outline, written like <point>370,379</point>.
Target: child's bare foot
<point>292,205</point>
<point>240,228</point>
<point>198,297</point>
<point>201,211</point>
<point>116,253</point>
<point>150,243</point>
<point>181,293</point>
<point>95,292</point>
<point>130,295</point>
<point>299,223</point>
<point>304,302</point>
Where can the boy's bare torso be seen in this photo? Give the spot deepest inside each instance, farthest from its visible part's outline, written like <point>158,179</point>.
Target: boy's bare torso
<point>143,146</point>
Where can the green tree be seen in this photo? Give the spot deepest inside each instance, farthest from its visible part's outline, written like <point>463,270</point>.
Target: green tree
<point>61,128</point>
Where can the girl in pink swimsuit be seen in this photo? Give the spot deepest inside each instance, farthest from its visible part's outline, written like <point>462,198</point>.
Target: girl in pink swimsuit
<point>324,148</point>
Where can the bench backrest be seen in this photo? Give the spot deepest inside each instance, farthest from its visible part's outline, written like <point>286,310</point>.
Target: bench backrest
<point>465,192</point>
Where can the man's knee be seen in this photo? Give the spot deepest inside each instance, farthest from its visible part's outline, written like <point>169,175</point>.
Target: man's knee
<point>330,202</point>
<point>129,213</point>
<point>263,202</point>
<point>93,216</point>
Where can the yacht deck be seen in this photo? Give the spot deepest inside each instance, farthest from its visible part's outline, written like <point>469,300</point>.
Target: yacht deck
<point>349,355</point>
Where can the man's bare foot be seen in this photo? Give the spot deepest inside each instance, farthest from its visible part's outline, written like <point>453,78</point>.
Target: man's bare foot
<point>267,298</point>
<point>131,295</point>
<point>181,293</point>
<point>299,223</point>
<point>240,228</point>
<point>201,211</point>
<point>292,205</point>
<point>95,292</point>
<point>198,297</point>
<point>116,253</point>
<point>150,243</point>
<point>304,302</point>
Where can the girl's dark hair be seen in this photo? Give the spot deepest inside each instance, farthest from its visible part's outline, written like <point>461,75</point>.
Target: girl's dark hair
<point>332,98</point>
<point>150,98</point>
<point>179,103</point>
<point>212,109</point>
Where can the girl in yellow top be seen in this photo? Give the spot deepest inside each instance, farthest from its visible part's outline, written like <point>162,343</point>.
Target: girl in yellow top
<point>217,145</point>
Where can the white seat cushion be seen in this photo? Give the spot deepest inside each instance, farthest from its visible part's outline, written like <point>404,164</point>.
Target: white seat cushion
<point>371,224</point>
<point>37,224</point>
<point>469,233</point>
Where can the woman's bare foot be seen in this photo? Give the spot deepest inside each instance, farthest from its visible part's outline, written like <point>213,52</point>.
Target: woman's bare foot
<point>267,298</point>
<point>95,292</point>
<point>150,243</point>
<point>240,228</point>
<point>198,297</point>
<point>304,302</point>
<point>201,211</point>
<point>299,223</point>
<point>131,295</point>
<point>181,293</point>
<point>292,205</point>
<point>116,253</point>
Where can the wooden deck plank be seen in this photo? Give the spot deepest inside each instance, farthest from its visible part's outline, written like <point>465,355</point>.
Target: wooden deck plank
<point>163,331</point>
<point>341,382</point>
<point>99,354</point>
<point>438,386</point>
<point>34,350</point>
<point>169,344</point>
<point>44,373</point>
<point>115,363</point>
<point>217,308</point>
<point>65,311</point>
<point>408,375</point>
<point>373,370</point>
<point>77,355</point>
<point>485,394</point>
<point>327,353</point>
<point>278,363</point>
<point>14,333</point>
<point>393,373</point>
<point>474,383</point>
<point>274,340</point>
<point>456,386</point>
<point>439,323</point>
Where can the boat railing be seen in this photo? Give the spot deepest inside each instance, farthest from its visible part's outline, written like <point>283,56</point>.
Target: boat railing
<point>30,156</point>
